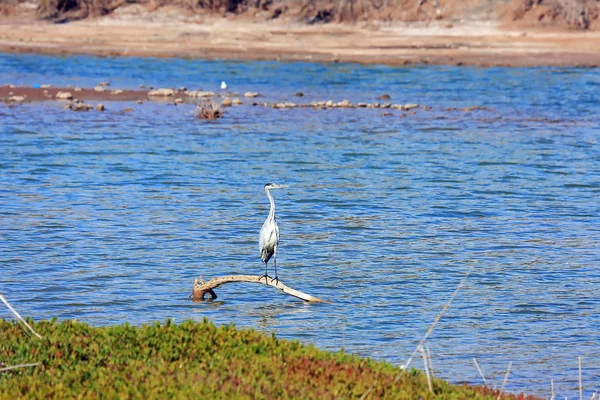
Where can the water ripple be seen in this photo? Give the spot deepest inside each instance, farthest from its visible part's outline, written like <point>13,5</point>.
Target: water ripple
<point>108,217</point>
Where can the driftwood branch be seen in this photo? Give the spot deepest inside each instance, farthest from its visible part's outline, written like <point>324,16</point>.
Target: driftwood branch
<point>201,288</point>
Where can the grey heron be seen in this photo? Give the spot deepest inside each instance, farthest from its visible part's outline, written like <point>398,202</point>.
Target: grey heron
<point>269,233</point>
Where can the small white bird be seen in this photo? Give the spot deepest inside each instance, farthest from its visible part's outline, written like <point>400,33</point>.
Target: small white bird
<point>269,233</point>
<point>223,85</point>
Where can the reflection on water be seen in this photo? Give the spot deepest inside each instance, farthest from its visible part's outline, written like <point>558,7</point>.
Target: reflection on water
<point>108,217</point>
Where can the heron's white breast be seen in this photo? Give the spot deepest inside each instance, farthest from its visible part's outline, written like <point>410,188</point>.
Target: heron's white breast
<point>269,236</point>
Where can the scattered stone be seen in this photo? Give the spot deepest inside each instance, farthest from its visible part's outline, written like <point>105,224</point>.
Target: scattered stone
<point>128,109</point>
<point>116,91</point>
<point>199,93</point>
<point>64,96</point>
<point>329,103</point>
<point>140,102</point>
<point>183,89</point>
<point>386,105</point>
<point>386,114</point>
<point>344,104</point>
<point>46,86</point>
<point>384,97</point>
<point>362,105</point>
<point>410,106</point>
<point>236,101</point>
<point>78,89</point>
<point>299,94</point>
<point>104,84</point>
<point>16,99</point>
<point>178,100</point>
<point>99,88</point>
<point>78,107</point>
<point>286,105</point>
<point>226,102</point>
<point>251,94</point>
<point>473,108</point>
<point>161,92</point>
<point>412,113</point>
<point>321,103</point>
<point>375,105</point>
<point>100,107</point>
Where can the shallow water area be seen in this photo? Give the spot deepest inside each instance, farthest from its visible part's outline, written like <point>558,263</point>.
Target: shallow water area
<point>108,216</point>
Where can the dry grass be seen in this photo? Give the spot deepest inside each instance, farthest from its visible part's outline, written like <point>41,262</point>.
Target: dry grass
<point>209,109</point>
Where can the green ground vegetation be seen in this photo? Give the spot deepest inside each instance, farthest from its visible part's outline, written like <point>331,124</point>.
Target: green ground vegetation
<point>195,360</point>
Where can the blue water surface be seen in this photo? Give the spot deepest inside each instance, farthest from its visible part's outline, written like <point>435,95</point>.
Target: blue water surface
<point>108,217</point>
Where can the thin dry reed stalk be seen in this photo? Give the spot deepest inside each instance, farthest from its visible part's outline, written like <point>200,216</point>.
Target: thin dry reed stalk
<point>430,363</point>
<point>19,317</point>
<point>552,389</point>
<point>366,393</point>
<point>480,371</point>
<point>505,379</point>
<point>426,369</point>
<point>435,321</point>
<point>19,366</point>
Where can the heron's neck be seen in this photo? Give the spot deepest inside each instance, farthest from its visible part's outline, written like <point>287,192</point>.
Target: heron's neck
<point>272,211</point>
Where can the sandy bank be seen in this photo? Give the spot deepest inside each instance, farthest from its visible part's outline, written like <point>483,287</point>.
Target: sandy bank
<point>164,34</point>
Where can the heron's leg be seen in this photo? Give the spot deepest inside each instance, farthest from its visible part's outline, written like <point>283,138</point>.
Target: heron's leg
<point>276,279</point>
<point>266,275</point>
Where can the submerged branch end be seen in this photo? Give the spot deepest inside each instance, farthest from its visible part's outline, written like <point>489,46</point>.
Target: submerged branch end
<point>201,288</point>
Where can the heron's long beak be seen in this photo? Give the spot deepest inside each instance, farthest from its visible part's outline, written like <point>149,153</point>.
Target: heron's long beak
<point>282,186</point>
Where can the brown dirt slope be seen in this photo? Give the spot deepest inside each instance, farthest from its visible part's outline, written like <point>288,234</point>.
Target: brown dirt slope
<point>574,14</point>
<point>578,14</point>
